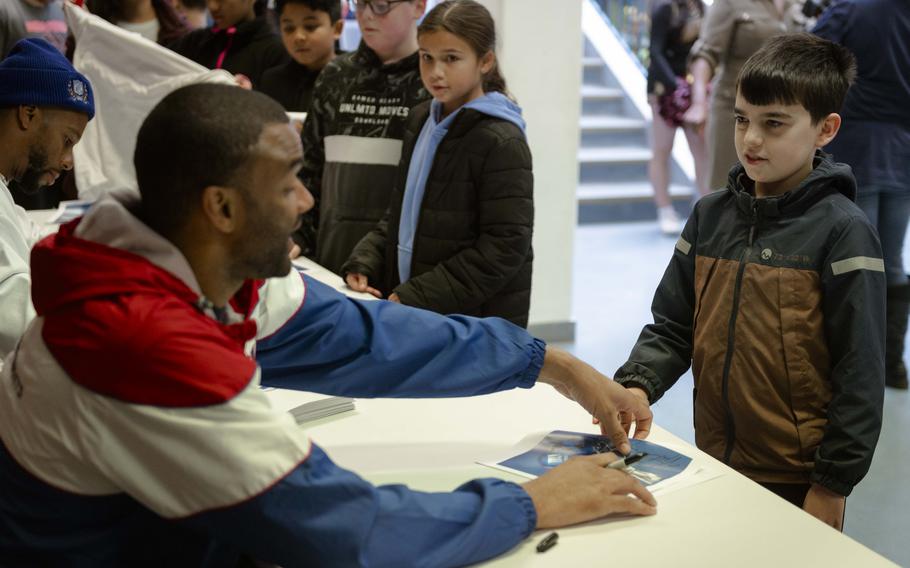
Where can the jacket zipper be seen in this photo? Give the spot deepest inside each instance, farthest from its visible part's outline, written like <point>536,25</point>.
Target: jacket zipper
<point>730,426</point>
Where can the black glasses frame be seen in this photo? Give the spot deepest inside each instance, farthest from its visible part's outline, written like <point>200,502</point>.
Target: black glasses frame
<point>374,5</point>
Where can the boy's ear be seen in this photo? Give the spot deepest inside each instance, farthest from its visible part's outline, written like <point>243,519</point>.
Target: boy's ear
<point>420,6</point>
<point>337,28</point>
<point>829,128</point>
<point>221,207</point>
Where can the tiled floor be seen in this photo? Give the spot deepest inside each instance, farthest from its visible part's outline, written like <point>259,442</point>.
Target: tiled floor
<point>617,267</point>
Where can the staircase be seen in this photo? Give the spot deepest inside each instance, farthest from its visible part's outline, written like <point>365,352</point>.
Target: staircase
<point>614,152</point>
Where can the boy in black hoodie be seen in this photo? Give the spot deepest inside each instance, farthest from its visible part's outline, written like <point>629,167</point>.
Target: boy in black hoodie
<point>309,30</point>
<point>239,42</point>
<point>776,294</point>
<point>353,133</point>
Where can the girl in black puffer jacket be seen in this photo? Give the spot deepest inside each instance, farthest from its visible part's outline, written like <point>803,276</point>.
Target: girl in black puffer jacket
<point>457,235</point>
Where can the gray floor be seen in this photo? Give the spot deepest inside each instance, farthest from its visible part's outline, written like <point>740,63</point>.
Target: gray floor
<point>617,267</point>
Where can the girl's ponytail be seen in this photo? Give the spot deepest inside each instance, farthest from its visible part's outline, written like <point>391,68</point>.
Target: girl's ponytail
<point>494,82</point>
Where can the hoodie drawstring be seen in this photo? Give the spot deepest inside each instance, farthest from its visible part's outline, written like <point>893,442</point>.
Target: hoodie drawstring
<point>230,40</point>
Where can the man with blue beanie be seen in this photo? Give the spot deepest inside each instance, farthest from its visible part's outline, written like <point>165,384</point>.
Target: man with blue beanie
<point>44,107</point>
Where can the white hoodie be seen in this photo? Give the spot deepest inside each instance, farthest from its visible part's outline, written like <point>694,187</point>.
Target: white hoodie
<point>17,235</point>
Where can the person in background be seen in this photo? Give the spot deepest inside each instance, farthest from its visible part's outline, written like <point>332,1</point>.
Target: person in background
<point>309,30</point>
<point>194,12</point>
<point>775,295</point>
<point>187,463</point>
<point>875,141</point>
<point>732,31</point>
<point>353,131</point>
<point>457,237</point>
<point>12,27</point>
<point>155,20</point>
<point>44,107</point>
<point>674,29</point>
<point>44,19</point>
<point>240,41</point>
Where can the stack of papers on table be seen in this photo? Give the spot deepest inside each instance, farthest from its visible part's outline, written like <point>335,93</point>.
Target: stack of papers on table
<point>662,470</point>
<point>69,210</point>
<point>305,406</point>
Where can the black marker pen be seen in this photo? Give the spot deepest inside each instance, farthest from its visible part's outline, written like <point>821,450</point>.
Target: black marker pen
<point>626,461</point>
<point>548,542</point>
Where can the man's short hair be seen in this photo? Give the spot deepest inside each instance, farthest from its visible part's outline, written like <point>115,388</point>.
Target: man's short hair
<point>198,136</point>
<point>331,7</point>
<point>799,68</point>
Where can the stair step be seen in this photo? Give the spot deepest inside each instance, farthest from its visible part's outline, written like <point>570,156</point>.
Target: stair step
<point>591,193</point>
<point>611,123</point>
<point>601,92</point>
<point>617,155</point>
<point>594,72</point>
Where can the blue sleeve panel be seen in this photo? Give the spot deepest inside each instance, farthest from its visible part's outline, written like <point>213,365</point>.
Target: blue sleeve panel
<point>322,515</point>
<point>340,346</point>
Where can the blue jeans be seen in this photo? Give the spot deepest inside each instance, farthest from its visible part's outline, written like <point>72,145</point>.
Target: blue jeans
<point>888,208</point>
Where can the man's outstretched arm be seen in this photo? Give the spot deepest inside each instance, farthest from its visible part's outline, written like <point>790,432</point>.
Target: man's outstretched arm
<point>316,339</point>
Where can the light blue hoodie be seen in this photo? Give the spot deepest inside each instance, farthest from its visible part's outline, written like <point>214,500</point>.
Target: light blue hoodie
<point>431,135</point>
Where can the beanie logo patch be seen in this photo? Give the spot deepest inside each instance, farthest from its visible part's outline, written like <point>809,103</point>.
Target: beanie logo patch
<point>77,90</point>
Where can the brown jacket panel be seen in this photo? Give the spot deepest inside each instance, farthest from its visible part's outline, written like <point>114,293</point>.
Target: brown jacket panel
<point>778,365</point>
<point>714,280</point>
<point>806,357</point>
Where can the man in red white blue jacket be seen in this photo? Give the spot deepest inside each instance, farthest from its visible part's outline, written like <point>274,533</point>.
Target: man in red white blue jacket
<point>134,430</point>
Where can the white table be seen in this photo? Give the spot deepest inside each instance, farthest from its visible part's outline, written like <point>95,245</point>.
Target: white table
<point>728,521</point>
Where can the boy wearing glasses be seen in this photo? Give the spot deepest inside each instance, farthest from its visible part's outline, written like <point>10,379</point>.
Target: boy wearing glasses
<point>353,133</point>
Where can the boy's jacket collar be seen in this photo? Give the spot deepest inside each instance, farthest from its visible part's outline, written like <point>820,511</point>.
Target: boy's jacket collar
<point>367,56</point>
<point>827,177</point>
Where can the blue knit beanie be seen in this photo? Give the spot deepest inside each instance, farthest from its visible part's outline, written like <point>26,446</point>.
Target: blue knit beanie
<point>35,73</point>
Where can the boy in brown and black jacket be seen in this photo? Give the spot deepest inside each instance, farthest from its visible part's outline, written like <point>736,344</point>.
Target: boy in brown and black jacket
<point>776,294</point>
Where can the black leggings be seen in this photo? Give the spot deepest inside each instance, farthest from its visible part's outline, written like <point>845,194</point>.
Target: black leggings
<point>795,493</point>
